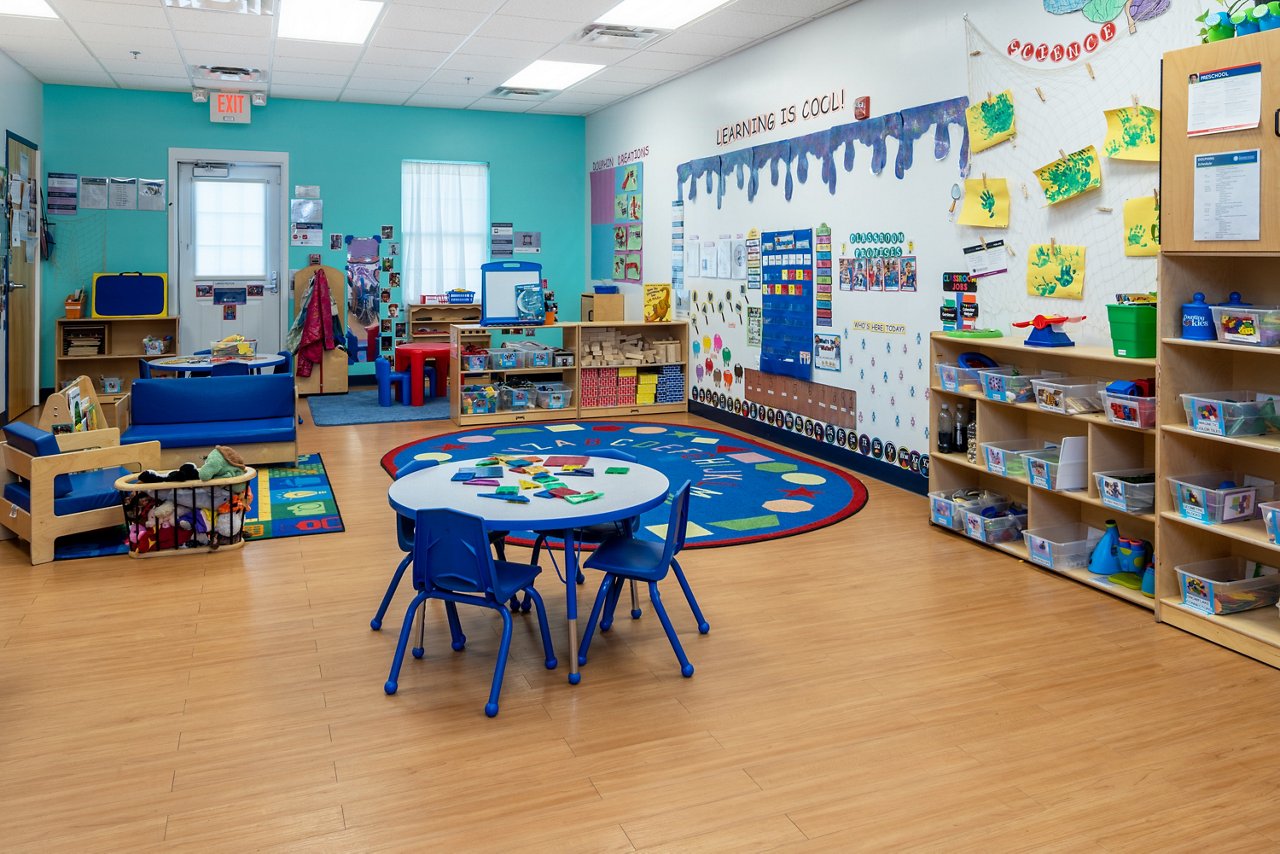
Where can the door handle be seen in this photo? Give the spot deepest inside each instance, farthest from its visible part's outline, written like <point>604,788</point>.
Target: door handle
<point>15,286</point>
<point>1278,122</point>
<point>273,284</point>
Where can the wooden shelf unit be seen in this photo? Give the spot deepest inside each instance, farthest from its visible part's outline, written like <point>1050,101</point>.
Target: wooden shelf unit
<point>1215,269</point>
<point>121,350</point>
<point>431,323</point>
<point>1110,446</point>
<point>570,339</point>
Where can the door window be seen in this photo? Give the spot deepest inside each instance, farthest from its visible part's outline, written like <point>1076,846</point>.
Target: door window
<point>229,225</point>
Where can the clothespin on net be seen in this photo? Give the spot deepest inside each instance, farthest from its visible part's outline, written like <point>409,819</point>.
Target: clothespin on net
<point>1089,68</point>
<point>1040,92</point>
<point>1053,246</point>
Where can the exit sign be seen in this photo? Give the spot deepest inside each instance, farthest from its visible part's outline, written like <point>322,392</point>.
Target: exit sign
<point>229,108</point>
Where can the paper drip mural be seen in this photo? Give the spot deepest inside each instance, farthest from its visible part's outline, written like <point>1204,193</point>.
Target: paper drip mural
<point>742,168</point>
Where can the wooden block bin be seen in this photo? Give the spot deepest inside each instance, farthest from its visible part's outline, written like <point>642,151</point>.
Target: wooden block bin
<point>186,517</point>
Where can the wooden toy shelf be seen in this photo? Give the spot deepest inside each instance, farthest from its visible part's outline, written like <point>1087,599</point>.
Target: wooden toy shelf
<point>1110,446</point>
<point>431,323</point>
<point>120,348</point>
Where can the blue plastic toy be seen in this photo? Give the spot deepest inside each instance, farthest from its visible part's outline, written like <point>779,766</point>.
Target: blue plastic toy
<point>1106,554</point>
<point>1047,331</point>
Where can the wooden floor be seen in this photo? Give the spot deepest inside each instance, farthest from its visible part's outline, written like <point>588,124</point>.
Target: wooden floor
<point>876,685</point>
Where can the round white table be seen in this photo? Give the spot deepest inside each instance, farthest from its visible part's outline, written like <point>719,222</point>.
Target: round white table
<point>204,365</point>
<point>624,495</point>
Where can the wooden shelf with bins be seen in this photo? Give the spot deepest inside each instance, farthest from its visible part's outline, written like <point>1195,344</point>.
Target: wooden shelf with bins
<point>428,323</point>
<point>462,335</point>
<point>121,350</point>
<point>1214,269</point>
<point>1110,446</point>
<point>677,331</point>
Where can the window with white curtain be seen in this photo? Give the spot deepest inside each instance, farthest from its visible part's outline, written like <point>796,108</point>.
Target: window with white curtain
<point>444,226</point>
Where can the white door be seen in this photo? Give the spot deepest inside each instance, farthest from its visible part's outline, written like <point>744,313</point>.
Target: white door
<point>229,254</point>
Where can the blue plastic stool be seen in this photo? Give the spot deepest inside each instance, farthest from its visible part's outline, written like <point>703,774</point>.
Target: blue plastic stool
<point>385,377</point>
<point>428,380</point>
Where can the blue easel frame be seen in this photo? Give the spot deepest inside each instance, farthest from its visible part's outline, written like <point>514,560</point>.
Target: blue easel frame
<point>487,319</point>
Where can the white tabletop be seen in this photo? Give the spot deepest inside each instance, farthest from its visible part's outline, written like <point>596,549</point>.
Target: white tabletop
<point>625,495</point>
<point>205,363</point>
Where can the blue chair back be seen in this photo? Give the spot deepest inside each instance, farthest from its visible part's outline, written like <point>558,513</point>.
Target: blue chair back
<point>144,369</point>
<point>451,551</point>
<point>230,369</point>
<point>205,352</point>
<point>287,367</point>
<point>679,522</point>
<point>613,454</point>
<point>38,443</point>
<point>404,525</point>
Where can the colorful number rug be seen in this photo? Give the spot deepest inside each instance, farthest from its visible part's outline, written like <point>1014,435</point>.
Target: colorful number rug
<point>742,492</point>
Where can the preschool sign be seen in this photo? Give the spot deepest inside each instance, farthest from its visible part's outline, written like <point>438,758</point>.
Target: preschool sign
<point>811,107</point>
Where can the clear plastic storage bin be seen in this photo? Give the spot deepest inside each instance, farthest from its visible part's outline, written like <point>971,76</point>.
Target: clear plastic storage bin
<point>1005,457</point>
<point>1271,518</point>
<point>1227,585</point>
<point>474,361</point>
<point>955,378</point>
<point>1230,413</point>
<point>1005,528</point>
<point>1062,547</point>
<point>1067,395</point>
<point>478,400</point>
<point>504,359</point>
<point>1256,325</point>
<point>1008,385</point>
<point>553,395</point>
<point>1129,410</point>
<point>1130,490</point>
<point>532,354</point>
<point>515,398</point>
<point>947,507</point>
<point>1043,468</point>
<point>1213,499</point>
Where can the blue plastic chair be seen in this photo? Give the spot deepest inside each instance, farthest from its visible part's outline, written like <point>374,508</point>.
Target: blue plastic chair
<point>144,369</point>
<point>205,352</point>
<point>229,369</point>
<point>452,562</point>
<point>633,559</point>
<point>404,538</point>
<point>287,367</point>
<point>387,378</point>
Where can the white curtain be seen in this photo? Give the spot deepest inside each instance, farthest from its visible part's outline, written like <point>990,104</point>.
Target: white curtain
<point>444,226</point>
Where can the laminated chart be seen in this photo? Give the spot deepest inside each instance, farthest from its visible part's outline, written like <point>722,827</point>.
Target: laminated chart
<point>822,280</point>
<point>787,296</point>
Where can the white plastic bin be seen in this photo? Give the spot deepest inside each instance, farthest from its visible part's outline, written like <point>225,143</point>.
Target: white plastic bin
<point>1063,546</point>
<point>1129,410</point>
<point>1130,490</point>
<point>1005,457</point>
<point>947,507</point>
<point>1211,499</point>
<point>958,379</point>
<point>1067,395</point>
<point>1230,413</point>
<point>1255,325</point>
<point>1227,585</point>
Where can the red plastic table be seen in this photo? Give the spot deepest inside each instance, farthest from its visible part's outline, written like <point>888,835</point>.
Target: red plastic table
<point>414,356</point>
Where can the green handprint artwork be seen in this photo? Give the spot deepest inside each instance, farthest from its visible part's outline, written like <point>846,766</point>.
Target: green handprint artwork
<point>988,202</point>
<point>1142,226</point>
<point>1055,271</point>
<point>1133,133</point>
<point>991,121</point>
<point>1137,235</point>
<point>1070,176</point>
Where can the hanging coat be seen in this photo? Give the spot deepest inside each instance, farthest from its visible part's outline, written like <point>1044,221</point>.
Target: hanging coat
<point>312,331</point>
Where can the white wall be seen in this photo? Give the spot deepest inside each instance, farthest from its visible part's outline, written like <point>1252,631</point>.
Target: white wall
<point>872,49</point>
<point>21,111</point>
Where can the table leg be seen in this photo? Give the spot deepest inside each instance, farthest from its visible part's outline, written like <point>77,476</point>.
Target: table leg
<point>415,378</point>
<point>571,603</point>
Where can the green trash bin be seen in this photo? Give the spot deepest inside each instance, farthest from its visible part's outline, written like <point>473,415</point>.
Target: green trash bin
<point>1133,330</point>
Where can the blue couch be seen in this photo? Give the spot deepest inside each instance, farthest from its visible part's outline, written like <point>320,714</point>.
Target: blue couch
<point>257,415</point>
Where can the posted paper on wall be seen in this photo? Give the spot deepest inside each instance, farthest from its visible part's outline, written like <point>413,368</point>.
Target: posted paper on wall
<point>1228,189</point>
<point>1222,100</point>
<point>986,203</point>
<point>985,259</point>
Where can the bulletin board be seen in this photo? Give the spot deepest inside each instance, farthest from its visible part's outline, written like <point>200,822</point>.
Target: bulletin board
<point>787,295</point>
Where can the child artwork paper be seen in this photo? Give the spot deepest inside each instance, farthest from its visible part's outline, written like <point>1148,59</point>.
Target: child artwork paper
<point>991,122</point>
<point>1133,133</point>
<point>986,203</point>
<point>620,237</point>
<point>635,237</point>
<point>1056,271</point>
<point>1070,176</point>
<point>1142,227</point>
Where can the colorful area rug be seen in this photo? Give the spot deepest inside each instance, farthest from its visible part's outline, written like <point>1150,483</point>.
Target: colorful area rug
<point>742,492</point>
<point>361,407</point>
<point>288,501</point>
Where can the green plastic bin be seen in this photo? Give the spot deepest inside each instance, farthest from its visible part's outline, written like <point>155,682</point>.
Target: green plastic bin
<point>1133,330</point>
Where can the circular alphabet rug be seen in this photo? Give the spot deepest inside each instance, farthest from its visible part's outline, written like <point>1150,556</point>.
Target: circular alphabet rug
<point>742,491</point>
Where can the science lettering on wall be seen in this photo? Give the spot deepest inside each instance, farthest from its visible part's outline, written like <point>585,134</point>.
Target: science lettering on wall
<point>787,272</point>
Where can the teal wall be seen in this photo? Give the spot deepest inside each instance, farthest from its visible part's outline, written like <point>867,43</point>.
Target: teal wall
<point>537,177</point>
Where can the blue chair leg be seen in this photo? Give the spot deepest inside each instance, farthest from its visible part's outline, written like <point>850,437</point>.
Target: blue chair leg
<point>455,627</point>
<point>635,602</point>
<point>547,648</point>
<point>491,708</point>
<point>605,586</point>
<point>686,669</point>
<point>398,659</point>
<point>376,622</point>
<point>703,625</point>
<point>606,619</point>
<point>403,382</point>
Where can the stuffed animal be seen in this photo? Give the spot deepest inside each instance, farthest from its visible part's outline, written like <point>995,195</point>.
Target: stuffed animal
<point>183,473</point>
<point>223,461</point>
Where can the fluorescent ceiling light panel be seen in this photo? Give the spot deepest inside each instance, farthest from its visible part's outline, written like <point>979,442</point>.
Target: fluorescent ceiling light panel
<point>549,74</point>
<point>240,7</point>
<point>341,21</point>
<point>660,14</point>
<point>27,8</point>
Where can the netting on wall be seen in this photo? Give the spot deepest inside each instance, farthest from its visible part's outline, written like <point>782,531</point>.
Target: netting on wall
<point>1060,108</point>
<point>80,248</point>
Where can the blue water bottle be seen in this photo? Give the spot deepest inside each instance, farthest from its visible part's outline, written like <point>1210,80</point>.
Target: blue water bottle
<point>1218,27</point>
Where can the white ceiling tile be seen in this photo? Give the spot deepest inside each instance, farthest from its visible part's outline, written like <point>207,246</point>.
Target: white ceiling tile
<point>581,100</point>
<point>502,105</point>
<point>237,60</point>
<point>83,12</point>
<point>416,40</point>
<point>587,53</point>
<point>36,29</point>
<point>559,109</point>
<point>402,17</point>
<point>377,71</point>
<point>218,42</point>
<point>319,50</point>
<point>133,38</point>
<point>701,44</point>
<point>70,54</point>
<point>659,61</point>
<point>407,58</point>
<point>595,86</point>
<point>479,79</point>
<point>144,69</point>
<point>532,29</point>
<point>579,11</point>
<point>300,78</point>
<point>627,74</point>
<point>309,93</point>
<point>259,26</point>
<point>373,96</point>
<point>311,66</point>
<point>735,23</point>
<point>155,84</point>
<point>807,8</point>
<point>379,84</point>
<point>513,48</point>
<point>485,6</point>
<point>472,91</point>
<point>148,55</point>
<point>503,66</point>
<point>73,76</point>
<point>441,101</point>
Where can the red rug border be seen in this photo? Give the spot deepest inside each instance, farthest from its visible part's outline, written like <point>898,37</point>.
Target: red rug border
<point>859,500</point>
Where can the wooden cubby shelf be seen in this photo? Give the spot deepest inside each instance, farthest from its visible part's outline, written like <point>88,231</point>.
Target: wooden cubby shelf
<point>1110,446</point>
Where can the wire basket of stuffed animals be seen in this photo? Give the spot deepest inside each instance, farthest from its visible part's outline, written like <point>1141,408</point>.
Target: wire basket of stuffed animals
<point>186,515</point>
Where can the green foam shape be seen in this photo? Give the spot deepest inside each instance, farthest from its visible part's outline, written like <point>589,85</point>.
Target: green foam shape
<point>753,523</point>
<point>777,468</point>
<point>511,431</point>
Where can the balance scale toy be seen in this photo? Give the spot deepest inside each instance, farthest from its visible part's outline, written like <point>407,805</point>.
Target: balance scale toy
<point>1047,331</point>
